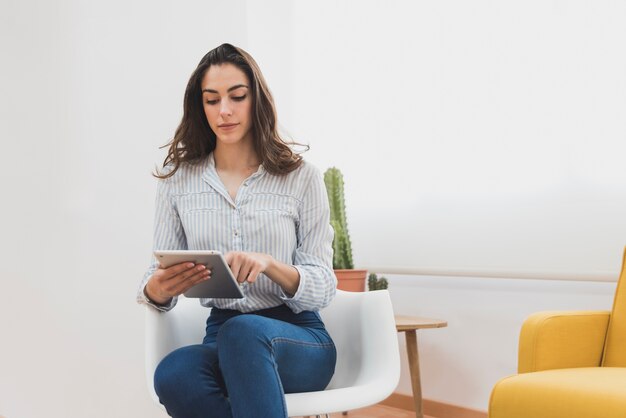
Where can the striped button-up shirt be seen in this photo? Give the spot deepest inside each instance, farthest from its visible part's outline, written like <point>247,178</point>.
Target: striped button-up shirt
<point>285,216</point>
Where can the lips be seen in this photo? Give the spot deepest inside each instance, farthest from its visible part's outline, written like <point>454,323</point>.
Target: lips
<point>227,126</point>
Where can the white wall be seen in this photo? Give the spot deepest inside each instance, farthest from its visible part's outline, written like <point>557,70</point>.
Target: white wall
<point>89,91</point>
<point>477,133</point>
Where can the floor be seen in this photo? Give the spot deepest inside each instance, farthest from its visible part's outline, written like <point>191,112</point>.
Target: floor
<point>378,411</point>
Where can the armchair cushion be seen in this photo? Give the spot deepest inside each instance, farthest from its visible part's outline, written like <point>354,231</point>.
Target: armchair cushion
<point>590,392</point>
<point>558,340</point>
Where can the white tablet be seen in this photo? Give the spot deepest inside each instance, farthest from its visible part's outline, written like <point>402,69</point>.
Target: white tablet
<point>222,283</point>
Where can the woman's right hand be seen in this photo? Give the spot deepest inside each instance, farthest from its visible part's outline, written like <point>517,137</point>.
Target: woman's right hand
<point>165,283</point>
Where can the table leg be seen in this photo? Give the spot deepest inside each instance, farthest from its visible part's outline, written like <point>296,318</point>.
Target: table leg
<point>414,368</point>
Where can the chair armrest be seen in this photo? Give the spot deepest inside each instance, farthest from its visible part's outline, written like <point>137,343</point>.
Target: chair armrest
<point>559,340</point>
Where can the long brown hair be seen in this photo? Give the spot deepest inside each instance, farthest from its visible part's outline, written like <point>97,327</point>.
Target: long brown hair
<point>194,139</point>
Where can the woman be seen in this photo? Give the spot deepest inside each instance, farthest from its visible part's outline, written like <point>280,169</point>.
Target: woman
<point>231,184</point>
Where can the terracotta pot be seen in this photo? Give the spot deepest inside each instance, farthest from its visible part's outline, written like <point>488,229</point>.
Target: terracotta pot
<point>351,280</point>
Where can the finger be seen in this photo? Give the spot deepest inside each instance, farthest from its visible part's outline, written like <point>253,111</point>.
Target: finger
<point>189,282</point>
<point>187,274</point>
<point>173,283</point>
<point>254,274</point>
<point>235,267</point>
<point>247,269</point>
<point>177,269</point>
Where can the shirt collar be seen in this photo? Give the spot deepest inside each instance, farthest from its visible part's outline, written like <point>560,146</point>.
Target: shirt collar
<point>213,179</point>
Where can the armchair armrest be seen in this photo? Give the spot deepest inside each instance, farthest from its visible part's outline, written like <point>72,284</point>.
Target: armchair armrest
<point>559,340</point>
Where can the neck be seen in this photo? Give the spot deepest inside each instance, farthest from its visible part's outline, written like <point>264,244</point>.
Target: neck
<point>235,157</point>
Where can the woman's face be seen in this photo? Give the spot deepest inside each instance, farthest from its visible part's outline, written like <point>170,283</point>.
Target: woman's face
<point>227,103</point>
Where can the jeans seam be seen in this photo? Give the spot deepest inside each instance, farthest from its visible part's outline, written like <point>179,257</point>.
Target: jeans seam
<point>280,383</point>
<point>303,343</point>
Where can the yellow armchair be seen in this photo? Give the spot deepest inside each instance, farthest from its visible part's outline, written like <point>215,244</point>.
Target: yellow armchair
<point>571,365</point>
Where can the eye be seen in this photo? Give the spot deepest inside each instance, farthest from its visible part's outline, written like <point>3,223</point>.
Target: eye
<point>211,102</point>
<point>239,98</point>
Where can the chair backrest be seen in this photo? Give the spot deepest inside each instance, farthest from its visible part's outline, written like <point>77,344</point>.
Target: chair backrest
<point>361,324</point>
<point>615,347</point>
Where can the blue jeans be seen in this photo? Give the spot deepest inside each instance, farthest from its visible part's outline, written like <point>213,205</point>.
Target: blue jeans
<point>245,365</point>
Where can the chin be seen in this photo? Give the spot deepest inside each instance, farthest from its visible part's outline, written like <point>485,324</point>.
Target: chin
<point>233,138</point>
<point>230,140</point>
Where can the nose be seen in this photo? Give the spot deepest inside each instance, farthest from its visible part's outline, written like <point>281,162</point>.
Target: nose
<point>225,109</point>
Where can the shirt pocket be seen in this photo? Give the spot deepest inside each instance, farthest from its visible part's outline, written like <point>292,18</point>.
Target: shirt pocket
<point>271,221</point>
<point>199,202</point>
<point>279,205</point>
<point>202,215</point>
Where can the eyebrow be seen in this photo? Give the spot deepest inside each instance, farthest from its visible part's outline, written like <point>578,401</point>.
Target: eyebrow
<point>229,90</point>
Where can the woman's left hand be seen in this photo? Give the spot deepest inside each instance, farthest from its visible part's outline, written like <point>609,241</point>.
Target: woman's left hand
<point>246,267</point>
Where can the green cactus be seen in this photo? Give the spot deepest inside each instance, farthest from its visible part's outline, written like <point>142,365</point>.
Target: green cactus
<point>374,283</point>
<point>342,258</point>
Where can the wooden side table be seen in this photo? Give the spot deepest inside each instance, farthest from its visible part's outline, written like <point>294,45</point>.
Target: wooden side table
<point>409,325</point>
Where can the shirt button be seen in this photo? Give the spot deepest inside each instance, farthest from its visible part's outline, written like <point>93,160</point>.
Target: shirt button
<point>236,233</point>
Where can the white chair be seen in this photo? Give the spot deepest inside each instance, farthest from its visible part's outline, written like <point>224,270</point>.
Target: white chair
<point>361,324</point>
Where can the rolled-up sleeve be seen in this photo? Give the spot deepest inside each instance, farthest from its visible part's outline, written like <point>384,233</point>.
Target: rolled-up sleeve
<point>313,255</point>
<point>168,235</point>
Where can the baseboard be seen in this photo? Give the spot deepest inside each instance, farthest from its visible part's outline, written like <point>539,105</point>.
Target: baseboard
<point>433,408</point>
